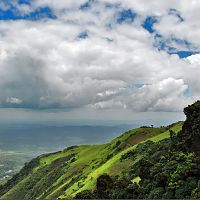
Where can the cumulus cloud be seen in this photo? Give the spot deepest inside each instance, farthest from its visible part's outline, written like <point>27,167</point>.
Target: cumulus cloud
<point>45,65</point>
<point>194,59</point>
<point>160,96</point>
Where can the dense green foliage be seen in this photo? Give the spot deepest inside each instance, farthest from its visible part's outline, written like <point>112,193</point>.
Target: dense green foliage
<point>190,134</point>
<point>164,173</point>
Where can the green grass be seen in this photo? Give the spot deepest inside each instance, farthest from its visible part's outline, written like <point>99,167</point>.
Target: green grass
<point>176,128</point>
<point>90,161</point>
<point>89,182</point>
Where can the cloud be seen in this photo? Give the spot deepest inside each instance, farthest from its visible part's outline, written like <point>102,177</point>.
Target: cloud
<point>160,96</point>
<point>13,100</point>
<point>44,64</point>
<point>194,59</point>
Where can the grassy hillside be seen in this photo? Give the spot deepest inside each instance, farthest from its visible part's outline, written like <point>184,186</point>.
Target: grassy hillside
<point>75,169</point>
<point>161,168</point>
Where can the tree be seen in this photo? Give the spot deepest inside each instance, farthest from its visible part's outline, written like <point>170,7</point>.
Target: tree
<point>104,185</point>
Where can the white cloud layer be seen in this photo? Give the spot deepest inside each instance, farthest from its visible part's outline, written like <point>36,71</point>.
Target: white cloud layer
<point>44,65</point>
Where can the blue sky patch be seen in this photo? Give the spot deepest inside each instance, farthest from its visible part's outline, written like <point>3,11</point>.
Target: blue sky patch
<point>28,2</point>
<point>184,54</point>
<point>41,13</point>
<point>7,15</point>
<point>126,16</point>
<point>14,14</point>
<point>163,44</point>
<point>149,22</point>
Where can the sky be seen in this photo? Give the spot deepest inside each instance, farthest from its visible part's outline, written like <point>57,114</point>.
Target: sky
<point>98,59</point>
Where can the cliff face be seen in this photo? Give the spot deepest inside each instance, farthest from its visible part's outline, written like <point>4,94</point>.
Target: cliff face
<point>190,135</point>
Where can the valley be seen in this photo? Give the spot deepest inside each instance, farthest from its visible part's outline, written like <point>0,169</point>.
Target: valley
<point>20,143</point>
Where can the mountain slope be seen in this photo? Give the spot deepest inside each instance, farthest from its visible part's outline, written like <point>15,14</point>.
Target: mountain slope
<point>166,169</point>
<point>75,169</point>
